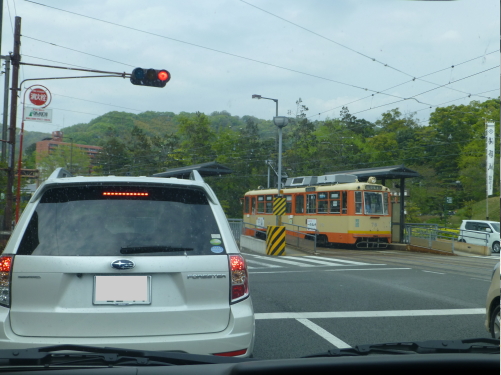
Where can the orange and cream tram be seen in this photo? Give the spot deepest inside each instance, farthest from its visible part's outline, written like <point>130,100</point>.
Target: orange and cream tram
<point>338,208</point>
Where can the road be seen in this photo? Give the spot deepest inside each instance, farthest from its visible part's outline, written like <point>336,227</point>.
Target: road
<point>342,298</point>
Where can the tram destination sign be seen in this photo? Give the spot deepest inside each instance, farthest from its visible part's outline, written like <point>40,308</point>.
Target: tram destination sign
<point>38,115</point>
<point>373,187</point>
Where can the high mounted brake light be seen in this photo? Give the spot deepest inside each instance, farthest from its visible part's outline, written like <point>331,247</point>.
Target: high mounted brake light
<point>5,271</point>
<point>239,278</point>
<point>128,194</point>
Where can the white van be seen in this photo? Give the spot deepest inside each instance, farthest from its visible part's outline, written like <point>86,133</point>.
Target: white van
<point>480,232</point>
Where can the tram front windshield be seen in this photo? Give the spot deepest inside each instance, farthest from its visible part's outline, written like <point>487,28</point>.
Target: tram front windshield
<point>374,204</point>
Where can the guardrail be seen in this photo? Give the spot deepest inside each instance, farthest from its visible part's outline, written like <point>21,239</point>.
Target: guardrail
<point>236,228</point>
<point>446,239</point>
<point>304,241</point>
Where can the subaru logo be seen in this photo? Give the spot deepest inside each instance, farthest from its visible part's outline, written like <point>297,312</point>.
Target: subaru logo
<point>123,264</point>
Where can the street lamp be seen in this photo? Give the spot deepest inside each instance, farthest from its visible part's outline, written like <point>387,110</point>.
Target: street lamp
<point>255,96</point>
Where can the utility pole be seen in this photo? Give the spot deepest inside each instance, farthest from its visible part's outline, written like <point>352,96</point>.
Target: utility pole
<point>15,59</point>
<point>5,105</point>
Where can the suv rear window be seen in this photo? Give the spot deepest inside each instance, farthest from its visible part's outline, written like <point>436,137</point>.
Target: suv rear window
<point>117,220</point>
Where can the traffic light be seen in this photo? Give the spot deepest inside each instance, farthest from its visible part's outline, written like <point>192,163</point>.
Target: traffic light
<point>150,77</point>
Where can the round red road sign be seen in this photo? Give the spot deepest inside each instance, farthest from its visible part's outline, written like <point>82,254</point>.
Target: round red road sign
<point>38,97</point>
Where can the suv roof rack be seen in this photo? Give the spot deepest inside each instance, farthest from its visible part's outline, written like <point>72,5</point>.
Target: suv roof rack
<point>60,173</point>
<point>195,176</point>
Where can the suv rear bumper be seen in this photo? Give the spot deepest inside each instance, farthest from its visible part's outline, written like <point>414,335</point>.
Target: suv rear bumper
<point>239,334</point>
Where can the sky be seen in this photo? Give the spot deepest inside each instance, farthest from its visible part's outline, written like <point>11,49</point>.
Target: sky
<point>371,56</point>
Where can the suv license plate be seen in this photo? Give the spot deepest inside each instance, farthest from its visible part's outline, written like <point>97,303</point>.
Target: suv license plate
<point>122,290</point>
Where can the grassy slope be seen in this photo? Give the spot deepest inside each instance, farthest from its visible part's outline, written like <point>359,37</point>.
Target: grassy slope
<point>479,212</point>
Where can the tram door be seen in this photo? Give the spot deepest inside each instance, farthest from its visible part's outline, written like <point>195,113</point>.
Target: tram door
<point>311,204</point>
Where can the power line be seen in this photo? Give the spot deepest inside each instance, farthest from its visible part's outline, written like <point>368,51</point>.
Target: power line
<point>216,50</point>
<point>92,101</point>
<point>403,99</point>
<point>74,50</point>
<point>59,62</point>
<point>349,48</point>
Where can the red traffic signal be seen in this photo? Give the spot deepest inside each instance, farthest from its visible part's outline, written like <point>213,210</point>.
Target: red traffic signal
<point>149,77</point>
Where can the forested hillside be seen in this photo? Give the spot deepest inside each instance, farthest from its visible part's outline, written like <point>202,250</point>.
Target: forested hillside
<point>448,150</point>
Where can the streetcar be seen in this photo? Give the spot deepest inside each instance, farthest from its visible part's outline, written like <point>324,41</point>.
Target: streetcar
<point>337,208</point>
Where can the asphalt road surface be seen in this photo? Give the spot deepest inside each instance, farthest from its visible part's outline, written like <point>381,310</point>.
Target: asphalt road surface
<point>341,298</point>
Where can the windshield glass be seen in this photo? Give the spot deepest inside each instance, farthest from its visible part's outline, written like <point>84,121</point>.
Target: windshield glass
<point>374,203</point>
<point>113,220</point>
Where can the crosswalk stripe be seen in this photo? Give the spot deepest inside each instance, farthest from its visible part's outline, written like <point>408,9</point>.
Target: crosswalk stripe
<point>281,260</point>
<point>251,261</point>
<point>327,262</point>
<point>342,261</point>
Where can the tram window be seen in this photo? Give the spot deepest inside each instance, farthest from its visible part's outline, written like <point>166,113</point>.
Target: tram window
<point>260,204</point>
<point>253,206</point>
<point>345,202</point>
<point>311,204</point>
<point>288,204</point>
<point>323,203</point>
<point>246,205</point>
<point>373,203</point>
<point>358,202</point>
<point>299,204</point>
<point>269,204</point>
<point>335,207</point>
<point>386,197</point>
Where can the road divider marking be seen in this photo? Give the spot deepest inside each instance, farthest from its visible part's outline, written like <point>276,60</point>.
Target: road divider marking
<point>369,314</point>
<point>340,344</point>
<point>339,270</point>
<point>440,273</point>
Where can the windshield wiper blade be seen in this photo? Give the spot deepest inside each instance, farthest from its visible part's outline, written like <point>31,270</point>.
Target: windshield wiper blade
<point>481,345</point>
<point>51,355</point>
<point>152,249</point>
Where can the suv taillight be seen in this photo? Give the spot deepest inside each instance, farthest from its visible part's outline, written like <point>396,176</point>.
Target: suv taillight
<point>5,269</point>
<point>239,278</point>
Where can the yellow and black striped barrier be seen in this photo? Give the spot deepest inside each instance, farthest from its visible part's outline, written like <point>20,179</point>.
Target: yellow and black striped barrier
<point>279,206</point>
<point>275,240</point>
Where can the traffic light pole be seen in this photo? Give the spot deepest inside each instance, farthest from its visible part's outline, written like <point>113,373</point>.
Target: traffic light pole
<point>15,60</point>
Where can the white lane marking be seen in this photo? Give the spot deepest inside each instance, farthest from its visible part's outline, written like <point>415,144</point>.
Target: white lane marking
<point>261,263</point>
<point>479,279</point>
<point>343,261</point>
<point>440,273</point>
<point>338,270</point>
<point>324,334</point>
<point>275,259</point>
<point>333,262</point>
<point>369,314</point>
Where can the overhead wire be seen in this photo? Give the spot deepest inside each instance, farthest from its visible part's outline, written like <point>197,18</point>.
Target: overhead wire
<point>75,50</point>
<point>216,50</point>
<point>357,100</point>
<point>348,48</point>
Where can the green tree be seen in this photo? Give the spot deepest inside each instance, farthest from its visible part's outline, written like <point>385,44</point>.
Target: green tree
<point>73,159</point>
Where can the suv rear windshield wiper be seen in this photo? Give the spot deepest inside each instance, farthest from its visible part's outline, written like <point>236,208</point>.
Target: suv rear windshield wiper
<point>152,249</point>
<point>80,355</point>
<point>483,345</point>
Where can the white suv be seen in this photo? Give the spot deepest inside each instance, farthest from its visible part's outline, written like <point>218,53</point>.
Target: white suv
<point>480,232</point>
<point>130,262</point>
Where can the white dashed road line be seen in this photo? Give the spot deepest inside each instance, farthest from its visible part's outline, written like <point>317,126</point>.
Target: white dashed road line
<point>340,344</point>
